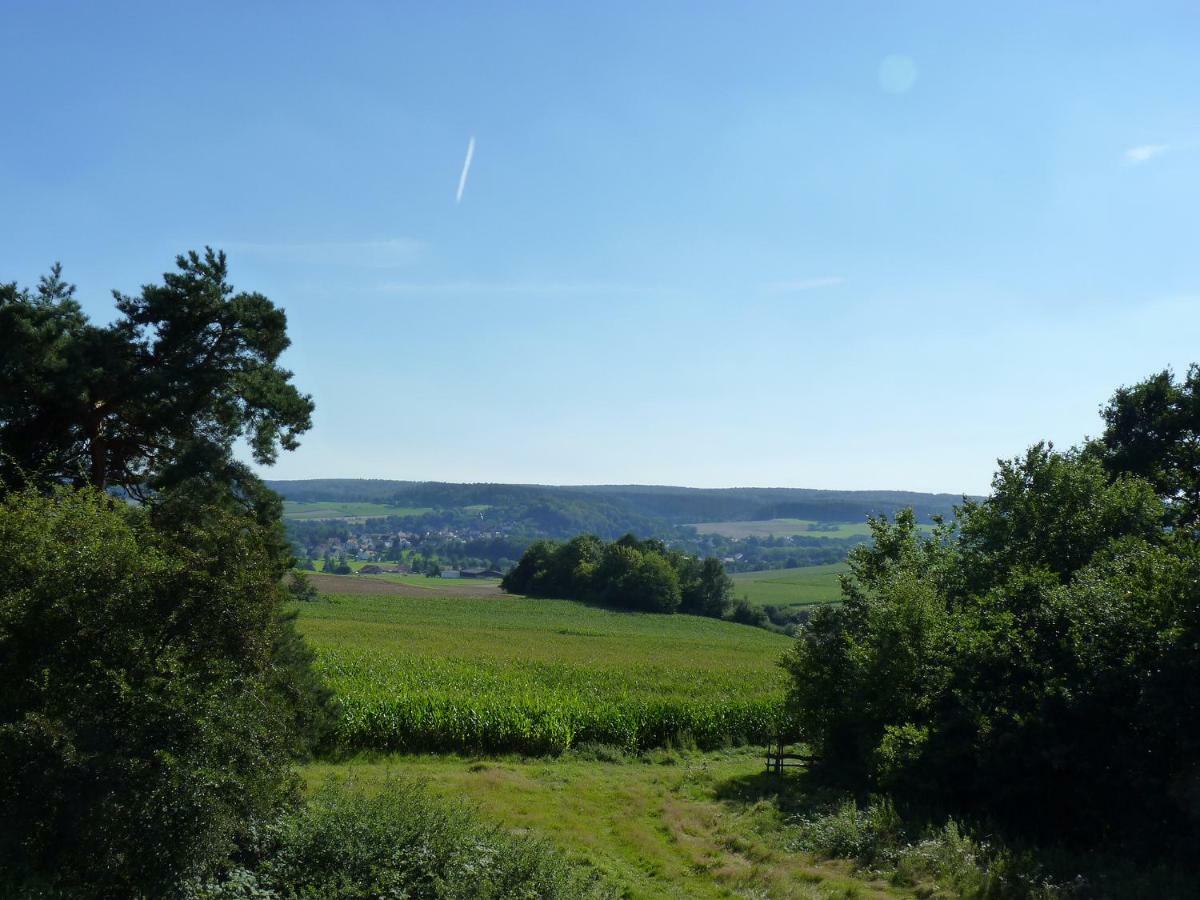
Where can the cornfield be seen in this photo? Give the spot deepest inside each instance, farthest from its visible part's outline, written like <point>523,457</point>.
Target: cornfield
<point>538,676</point>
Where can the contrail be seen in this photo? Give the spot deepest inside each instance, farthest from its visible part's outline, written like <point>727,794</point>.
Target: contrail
<point>462,181</point>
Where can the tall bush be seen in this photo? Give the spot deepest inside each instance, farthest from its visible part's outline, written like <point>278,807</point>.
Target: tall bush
<point>141,736</point>
<point>630,573</point>
<point>1034,661</point>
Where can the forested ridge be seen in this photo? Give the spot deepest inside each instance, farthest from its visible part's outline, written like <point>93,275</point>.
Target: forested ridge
<point>155,694</point>
<point>1004,706</point>
<point>628,507</point>
<point>1034,662</point>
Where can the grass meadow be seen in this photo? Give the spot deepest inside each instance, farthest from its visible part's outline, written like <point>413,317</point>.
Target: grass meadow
<point>621,738</point>
<point>783,528</point>
<point>662,824</point>
<point>510,674</point>
<point>762,528</point>
<point>301,510</point>
<point>803,587</point>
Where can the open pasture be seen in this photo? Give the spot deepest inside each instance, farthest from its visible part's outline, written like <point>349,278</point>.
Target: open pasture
<point>807,586</point>
<point>512,674</point>
<point>303,510</point>
<point>783,528</point>
<point>662,825</point>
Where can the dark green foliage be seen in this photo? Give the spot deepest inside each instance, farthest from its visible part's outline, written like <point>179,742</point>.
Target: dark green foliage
<point>566,570</point>
<point>537,559</point>
<point>950,860</point>
<point>337,566</point>
<point>347,845</point>
<point>1151,430</point>
<point>141,728</point>
<point>301,695</point>
<point>609,510</point>
<point>745,613</point>
<point>786,619</point>
<point>300,589</point>
<point>634,578</point>
<point>155,398</point>
<point>1033,662</point>
<point>153,690</point>
<point>627,573</point>
<point>705,589</point>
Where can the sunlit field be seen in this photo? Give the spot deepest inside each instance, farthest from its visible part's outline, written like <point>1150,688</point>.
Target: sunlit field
<point>514,674</point>
<point>314,510</point>
<point>803,587</point>
<point>784,528</point>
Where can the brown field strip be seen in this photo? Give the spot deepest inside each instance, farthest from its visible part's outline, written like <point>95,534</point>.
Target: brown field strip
<point>358,585</point>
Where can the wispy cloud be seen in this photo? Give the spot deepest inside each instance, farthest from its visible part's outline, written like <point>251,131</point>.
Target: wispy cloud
<point>805,284</point>
<point>378,254</point>
<point>514,287</point>
<point>462,179</point>
<point>1143,153</point>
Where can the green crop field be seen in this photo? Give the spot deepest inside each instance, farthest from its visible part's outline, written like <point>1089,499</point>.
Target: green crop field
<point>783,528</point>
<point>500,674</point>
<point>807,586</point>
<point>301,510</point>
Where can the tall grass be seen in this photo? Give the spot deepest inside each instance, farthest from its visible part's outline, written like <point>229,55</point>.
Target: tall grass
<point>399,841</point>
<point>950,860</point>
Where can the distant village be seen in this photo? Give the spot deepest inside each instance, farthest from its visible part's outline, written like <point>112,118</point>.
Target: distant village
<point>443,553</point>
<point>461,548</point>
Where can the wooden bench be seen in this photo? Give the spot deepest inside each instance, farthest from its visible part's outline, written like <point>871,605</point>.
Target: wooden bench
<point>778,758</point>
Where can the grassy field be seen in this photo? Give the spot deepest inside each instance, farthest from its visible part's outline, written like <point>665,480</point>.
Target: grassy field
<point>301,510</point>
<point>659,825</point>
<point>807,586</point>
<point>503,674</point>
<point>783,528</point>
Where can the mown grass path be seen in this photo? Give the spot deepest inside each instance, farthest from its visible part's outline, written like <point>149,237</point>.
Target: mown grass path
<point>662,825</point>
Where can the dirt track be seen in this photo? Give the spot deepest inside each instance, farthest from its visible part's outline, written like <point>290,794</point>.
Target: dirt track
<point>370,584</point>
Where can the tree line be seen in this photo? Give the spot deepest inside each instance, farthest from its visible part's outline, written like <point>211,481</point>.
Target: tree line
<point>154,693</point>
<point>610,510</point>
<point>627,573</point>
<point>501,535</point>
<point>1035,662</point>
<point>152,689</point>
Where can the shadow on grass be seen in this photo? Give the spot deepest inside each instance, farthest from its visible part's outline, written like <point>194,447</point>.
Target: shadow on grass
<point>799,791</point>
<point>960,855</point>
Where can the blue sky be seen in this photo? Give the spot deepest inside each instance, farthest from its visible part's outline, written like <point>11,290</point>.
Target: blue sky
<point>862,246</point>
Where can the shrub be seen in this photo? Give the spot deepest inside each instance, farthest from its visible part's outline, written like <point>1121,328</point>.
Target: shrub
<point>400,842</point>
<point>139,736</point>
<point>627,573</point>
<point>1036,667</point>
<point>745,613</point>
<point>849,831</point>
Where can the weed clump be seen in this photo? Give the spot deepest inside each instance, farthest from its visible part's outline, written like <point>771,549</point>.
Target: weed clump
<point>401,842</point>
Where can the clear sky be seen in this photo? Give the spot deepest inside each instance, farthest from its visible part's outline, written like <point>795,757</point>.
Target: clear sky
<point>851,245</point>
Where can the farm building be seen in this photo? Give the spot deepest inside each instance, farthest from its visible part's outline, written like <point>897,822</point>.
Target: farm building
<point>480,573</point>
